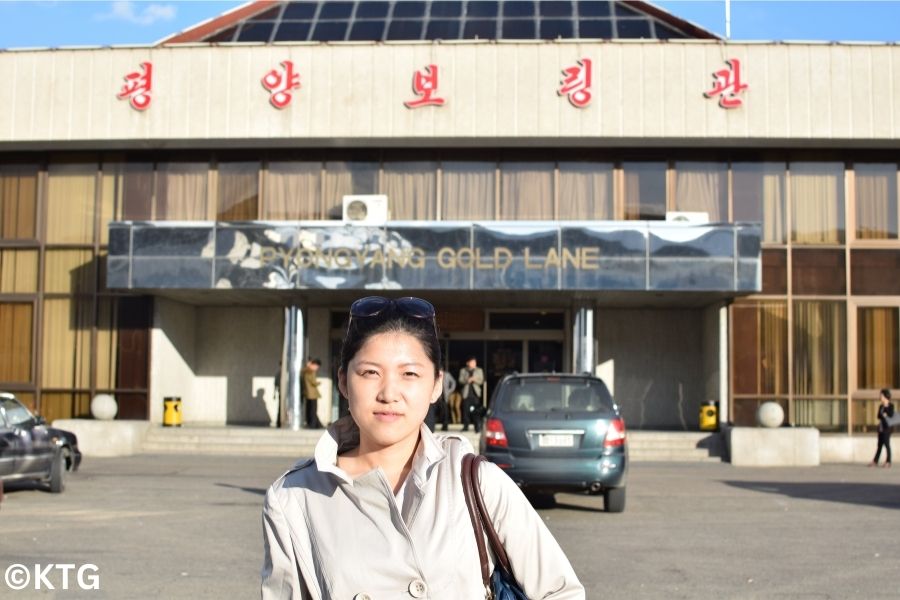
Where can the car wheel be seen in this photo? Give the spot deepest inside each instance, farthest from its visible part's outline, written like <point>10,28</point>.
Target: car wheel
<point>614,500</point>
<point>58,471</point>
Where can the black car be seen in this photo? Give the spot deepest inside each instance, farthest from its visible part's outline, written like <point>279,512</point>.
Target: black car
<point>556,432</point>
<point>30,449</point>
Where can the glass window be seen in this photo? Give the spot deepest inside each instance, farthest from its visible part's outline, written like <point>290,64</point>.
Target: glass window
<point>411,188</point>
<point>876,201</point>
<point>69,271</point>
<point>645,190</point>
<point>817,203</point>
<point>758,196</point>
<point>760,348</point>
<point>18,271</point>
<point>347,178</point>
<point>238,191</point>
<point>585,191</point>
<point>878,351</point>
<point>526,190</point>
<point>182,191</point>
<point>70,203</point>
<point>67,343</point>
<point>597,29</point>
<point>18,202</point>
<point>130,187</point>
<point>702,187</point>
<point>774,271</point>
<point>826,414</point>
<point>820,348</point>
<point>15,341</point>
<point>468,190</point>
<point>63,405</point>
<point>633,28</point>
<point>293,191</point>
<point>745,410</point>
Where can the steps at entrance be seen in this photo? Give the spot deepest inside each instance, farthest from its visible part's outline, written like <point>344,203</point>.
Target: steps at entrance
<point>643,446</point>
<point>675,446</point>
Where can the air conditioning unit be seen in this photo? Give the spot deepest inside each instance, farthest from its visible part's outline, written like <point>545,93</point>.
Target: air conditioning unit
<point>688,218</point>
<point>366,210</point>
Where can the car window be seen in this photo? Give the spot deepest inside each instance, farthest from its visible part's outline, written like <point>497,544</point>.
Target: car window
<point>16,413</point>
<point>540,395</point>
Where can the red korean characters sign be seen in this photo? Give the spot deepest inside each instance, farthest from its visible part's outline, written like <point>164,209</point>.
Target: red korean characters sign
<point>425,86</point>
<point>280,83</point>
<point>727,85</point>
<point>138,87</point>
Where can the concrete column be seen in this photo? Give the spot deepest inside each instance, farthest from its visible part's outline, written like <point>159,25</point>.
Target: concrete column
<point>723,365</point>
<point>583,341</point>
<point>292,360</point>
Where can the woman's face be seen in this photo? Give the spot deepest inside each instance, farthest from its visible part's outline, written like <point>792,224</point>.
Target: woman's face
<point>390,384</point>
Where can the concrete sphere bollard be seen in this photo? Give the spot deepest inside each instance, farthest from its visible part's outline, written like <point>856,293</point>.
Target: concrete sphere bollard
<point>104,407</point>
<point>770,414</point>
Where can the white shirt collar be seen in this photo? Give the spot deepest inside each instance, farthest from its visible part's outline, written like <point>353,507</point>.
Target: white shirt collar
<point>343,435</point>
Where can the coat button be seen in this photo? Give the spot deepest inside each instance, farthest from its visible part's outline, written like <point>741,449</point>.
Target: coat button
<point>417,588</point>
<point>362,596</point>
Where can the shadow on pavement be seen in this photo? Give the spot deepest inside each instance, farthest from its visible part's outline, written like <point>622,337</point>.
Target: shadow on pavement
<point>883,495</point>
<point>251,490</point>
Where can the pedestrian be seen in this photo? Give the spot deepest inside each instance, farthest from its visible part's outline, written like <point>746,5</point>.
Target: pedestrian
<point>379,511</point>
<point>471,377</point>
<point>885,412</point>
<point>449,386</point>
<point>310,389</point>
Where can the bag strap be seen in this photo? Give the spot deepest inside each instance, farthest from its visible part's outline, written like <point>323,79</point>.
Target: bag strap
<point>493,538</point>
<point>470,491</point>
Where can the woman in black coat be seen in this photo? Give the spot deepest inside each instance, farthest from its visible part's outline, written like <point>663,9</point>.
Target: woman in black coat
<point>885,412</point>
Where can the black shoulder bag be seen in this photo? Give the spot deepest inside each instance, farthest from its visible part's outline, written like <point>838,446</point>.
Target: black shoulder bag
<point>499,585</point>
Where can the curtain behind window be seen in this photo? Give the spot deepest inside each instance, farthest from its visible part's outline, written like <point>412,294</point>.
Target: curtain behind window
<point>702,187</point>
<point>758,195</point>
<point>18,202</point>
<point>70,203</point>
<point>67,343</point>
<point>467,190</point>
<point>293,191</point>
<point>585,191</point>
<point>645,190</point>
<point>820,348</point>
<point>876,201</point>
<point>773,348</point>
<point>879,348</point>
<point>411,188</point>
<point>238,186</point>
<point>347,178</point>
<point>181,193</point>
<point>526,191</point>
<point>15,342</point>
<point>817,202</point>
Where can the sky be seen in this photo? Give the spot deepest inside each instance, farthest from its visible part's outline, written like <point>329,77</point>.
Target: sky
<point>49,23</point>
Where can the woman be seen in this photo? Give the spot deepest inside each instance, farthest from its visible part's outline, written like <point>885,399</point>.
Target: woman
<point>885,412</point>
<point>379,511</point>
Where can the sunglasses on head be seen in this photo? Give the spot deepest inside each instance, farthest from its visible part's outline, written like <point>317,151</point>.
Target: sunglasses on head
<point>373,306</point>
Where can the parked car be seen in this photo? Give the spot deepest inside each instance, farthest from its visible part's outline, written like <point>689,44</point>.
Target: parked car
<point>558,433</point>
<point>30,449</point>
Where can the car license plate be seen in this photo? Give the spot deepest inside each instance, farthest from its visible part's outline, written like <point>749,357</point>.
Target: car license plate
<point>556,440</point>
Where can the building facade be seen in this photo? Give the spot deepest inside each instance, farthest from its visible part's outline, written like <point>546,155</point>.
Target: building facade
<point>171,215</point>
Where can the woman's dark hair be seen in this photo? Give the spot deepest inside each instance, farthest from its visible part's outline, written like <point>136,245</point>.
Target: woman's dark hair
<point>886,393</point>
<point>391,321</point>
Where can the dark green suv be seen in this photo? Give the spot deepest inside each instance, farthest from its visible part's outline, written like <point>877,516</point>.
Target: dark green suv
<point>558,433</point>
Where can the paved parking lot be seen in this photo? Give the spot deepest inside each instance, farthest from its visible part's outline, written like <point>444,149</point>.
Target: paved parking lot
<point>188,527</point>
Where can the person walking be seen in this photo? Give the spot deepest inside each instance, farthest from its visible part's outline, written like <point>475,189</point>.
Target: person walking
<point>471,378</point>
<point>379,511</point>
<point>310,388</point>
<point>885,412</point>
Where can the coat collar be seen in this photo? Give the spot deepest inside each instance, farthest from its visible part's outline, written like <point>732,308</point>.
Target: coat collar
<point>343,435</point>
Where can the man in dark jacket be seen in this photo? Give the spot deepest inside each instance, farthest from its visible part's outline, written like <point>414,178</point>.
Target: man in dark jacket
<point>310,388</point>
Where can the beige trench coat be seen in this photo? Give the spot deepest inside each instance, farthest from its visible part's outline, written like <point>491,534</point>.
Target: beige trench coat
<point>328,536</point>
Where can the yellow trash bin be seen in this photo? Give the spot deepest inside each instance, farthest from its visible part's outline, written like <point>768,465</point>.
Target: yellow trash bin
<point>709,416</point>
<point>172,411</point>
